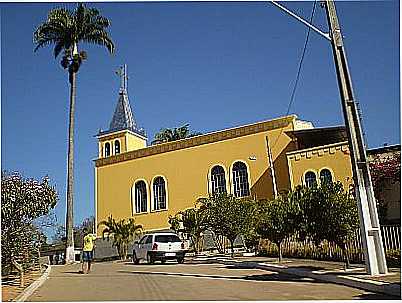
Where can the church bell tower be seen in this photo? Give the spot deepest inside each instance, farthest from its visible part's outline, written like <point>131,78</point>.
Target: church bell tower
<point>123,134</point>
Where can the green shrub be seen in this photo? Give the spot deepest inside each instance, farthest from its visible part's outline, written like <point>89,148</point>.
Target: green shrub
<point>393,257</point>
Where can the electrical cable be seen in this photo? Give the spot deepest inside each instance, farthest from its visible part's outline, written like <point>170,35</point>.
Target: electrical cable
<point>292,96</point>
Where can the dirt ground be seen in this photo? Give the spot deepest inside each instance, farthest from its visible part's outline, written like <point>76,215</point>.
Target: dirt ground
<point>10,285</point>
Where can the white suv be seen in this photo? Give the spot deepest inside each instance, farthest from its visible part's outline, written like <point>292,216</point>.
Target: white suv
<point>159,246</point>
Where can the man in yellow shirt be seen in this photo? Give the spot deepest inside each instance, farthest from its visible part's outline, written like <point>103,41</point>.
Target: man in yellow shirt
<point>87,251</point>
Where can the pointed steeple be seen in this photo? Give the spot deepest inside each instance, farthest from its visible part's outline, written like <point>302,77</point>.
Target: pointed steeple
<point>123,118</point>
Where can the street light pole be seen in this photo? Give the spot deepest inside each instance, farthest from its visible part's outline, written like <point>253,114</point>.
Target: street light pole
<point>373,248</point>
<point>271,168</point>
<point>369,224</point>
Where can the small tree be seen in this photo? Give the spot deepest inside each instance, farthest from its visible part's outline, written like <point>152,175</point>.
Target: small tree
<point>229,216</point>
<point>330,214</point>
<point>123,232</point>
<point>195,223</point>
<point>174,222</point>
<point>314,210</point>
<point>59,236</point>
<point>252,240</point>
<point>22,202</point>
<point>342,218</point>
<point>277,220</point>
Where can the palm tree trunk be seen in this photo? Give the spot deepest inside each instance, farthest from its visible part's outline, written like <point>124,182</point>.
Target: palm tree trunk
<point>69,256</point>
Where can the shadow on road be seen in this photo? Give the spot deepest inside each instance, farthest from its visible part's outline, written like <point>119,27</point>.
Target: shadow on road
<point>262,277</point>
<point>374,296</point>
<point>308,267</point>
<point>164,264</point>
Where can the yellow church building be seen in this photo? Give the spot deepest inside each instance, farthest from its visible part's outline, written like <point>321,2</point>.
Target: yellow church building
<point>149,183</point>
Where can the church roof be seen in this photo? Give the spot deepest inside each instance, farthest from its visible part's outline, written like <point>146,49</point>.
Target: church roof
<point>123,118</point>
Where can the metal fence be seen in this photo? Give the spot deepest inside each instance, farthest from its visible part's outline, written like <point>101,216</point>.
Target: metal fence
<point>391,235</point>
<point>292,247</point>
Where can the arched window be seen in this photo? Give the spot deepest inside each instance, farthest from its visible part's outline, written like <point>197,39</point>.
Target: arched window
<point>159,190</point>
<point>325,176</point>
<point>310,179</point>
<point>240,180</point>
<point>107,149</point>
<point>116,147</point>
<point>140,197</point>
<point>218,180</point>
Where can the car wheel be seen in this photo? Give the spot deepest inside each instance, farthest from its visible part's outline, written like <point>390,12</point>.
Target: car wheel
<point>163,261</point>
<point>180,260</point>
<point>135,259</point>
<point>150,259</point>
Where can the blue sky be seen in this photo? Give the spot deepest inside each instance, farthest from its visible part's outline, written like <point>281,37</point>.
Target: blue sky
<point>213,65</point>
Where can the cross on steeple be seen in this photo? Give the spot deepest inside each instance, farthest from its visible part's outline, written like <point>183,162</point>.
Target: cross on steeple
<point>123,118</point>
<point>122,72</point>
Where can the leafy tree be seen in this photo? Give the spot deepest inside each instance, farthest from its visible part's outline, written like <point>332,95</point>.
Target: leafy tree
<point>174,222</point>
<point>383,171</point>
<point>122,231</point>
<point>168,134</point>
<point>195,223</point>
<point>330,214</point>
<point>22,202</point>
<point>343,217</point>
<point>277,220</point>
<point>252,239</point>
<point>229,216</point>
<point>66,29</point>
<point>313,207</point>
<point>59,236</point>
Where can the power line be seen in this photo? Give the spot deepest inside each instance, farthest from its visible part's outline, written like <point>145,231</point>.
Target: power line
<point>292,96</point>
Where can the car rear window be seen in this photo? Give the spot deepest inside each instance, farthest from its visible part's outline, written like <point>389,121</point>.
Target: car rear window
<point>167,238</point>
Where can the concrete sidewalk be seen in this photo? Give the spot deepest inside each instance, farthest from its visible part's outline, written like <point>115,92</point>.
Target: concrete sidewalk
<point>327,271</point>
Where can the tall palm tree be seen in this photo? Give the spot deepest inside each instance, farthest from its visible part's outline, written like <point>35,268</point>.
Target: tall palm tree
<point>177,133</point>
<point>66,29</point>
<point>122,232</point>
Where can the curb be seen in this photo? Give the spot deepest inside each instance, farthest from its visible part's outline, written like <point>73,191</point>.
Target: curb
<point>34,286</point>
<point>374,286</point>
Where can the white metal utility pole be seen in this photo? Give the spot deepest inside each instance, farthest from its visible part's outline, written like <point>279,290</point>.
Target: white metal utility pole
<point>373,248</point>
<point>369,224</point>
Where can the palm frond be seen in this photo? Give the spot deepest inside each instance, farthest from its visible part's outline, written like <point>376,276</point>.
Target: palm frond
<point>65,28</point>
<point>100,39</point>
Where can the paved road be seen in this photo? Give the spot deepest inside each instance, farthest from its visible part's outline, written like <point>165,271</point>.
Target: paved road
<point>171,281</point>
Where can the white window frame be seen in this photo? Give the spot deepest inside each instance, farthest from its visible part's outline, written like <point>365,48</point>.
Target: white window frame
<point>153,194</point>
<point>304,177</point>
<point>134,196</point>
<point>234,178</point>
<point>211,180</point>
<point>330,171</point>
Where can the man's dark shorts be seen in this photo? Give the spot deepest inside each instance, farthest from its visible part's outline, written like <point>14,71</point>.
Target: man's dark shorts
<point>87,256</point>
